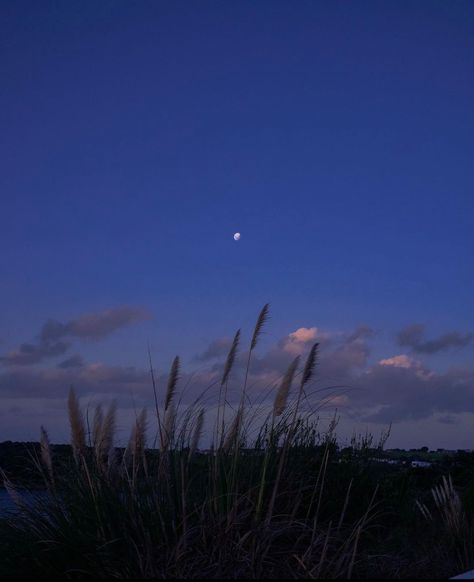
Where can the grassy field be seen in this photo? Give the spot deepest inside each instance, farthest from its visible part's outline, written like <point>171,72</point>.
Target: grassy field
<point>283,503</point>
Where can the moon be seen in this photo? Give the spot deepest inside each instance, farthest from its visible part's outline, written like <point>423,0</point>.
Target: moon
<point>237,236</point>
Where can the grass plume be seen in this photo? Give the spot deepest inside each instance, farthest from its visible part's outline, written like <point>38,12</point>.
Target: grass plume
<point>172,382</point>
<point>76,422</point>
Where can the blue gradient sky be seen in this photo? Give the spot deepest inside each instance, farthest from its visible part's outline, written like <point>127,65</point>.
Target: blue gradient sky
<point>137,137</point>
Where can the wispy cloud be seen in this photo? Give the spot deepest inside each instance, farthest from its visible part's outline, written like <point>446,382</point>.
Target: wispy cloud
<point>73,362</point>
<point>28,354</point>
<point>216,349</point>
<point>90,326</point>
<point>413,336</point>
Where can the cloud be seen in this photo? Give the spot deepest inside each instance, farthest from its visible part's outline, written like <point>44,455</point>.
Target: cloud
<point>297,340</point>
<point>216,349</point>
<point>394,393</point>
<point>401,361</point>
<point>88,380</point>
<point>93,325</point>
<point>28,354</point>
<point>72,362</point>
<point>447,419</point>
<point>397,387</point>
<point>90,326</point>
<point>413,336</point>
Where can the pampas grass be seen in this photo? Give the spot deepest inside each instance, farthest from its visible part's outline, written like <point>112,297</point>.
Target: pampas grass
<point>262,318</point>
<point>282,394</point>
<point>172,382</point>
<point>229,363</point>
<point>106,435</point>
<point>76,421</point>
<point>135,451</point>
<point>197,433</point>
<point>230,358</point>
<point>97,426</point>
<point>46,456</point>
<point>238,511</point>
<point>232,436</point>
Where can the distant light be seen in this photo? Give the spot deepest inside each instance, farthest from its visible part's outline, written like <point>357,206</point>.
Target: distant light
<point>237,236</point>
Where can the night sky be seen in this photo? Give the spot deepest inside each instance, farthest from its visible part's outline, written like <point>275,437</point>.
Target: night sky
<point>337,137</point>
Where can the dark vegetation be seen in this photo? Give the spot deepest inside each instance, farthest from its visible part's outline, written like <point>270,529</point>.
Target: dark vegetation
<point>285,501</point>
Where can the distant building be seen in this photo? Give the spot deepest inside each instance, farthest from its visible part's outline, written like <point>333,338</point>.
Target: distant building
<point>424,464</point>
<point>383,460</point>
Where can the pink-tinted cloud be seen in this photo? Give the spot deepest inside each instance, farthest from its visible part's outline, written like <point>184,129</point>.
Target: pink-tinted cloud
<point>297,340</point>
<point>401,361</point>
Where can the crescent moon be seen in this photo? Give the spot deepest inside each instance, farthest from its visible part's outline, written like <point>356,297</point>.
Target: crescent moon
<point>237,236</point>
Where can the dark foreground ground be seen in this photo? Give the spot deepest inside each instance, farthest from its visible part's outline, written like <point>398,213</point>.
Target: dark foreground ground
<point>370,524</point>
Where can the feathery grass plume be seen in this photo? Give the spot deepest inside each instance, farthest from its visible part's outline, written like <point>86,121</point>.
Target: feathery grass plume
<point>107,432</point>
<point>233,433</point>
<point>307,373</point>
<point>230,358</point>
<point>157,408</point>
<point>449,504</point>
<point>11,489</point>
<point>196,434</point>
<point>279,406</point>
<point>136,445</point>
<point>169,426</point>
<point>310,365</point>
<point>97,425</point>
<point>227,369</point>
<point>140,435</point>
<point>285,386</point>
<point>46,456</point>
<point>76,420</point>
<point>425,512</point>
<point>172,381</point>
<point>262,318</point>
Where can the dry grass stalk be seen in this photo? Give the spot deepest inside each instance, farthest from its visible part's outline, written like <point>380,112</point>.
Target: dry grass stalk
<point>155,395</point>
<point>449,505</point>
<point>346,503</point>
<point>107,432</point>
<point>169,425</point>
<point>310,365</point>
<point>227,369</point>
<point>46,456</point>
<point>97,425</point>
<point>305,378</point>
<point>172,381</point>
<point>262,318</point>
<point>307,374</point>
<point>76,421</point>
<point>135,450</point>
<point>197,433</point>
<point>233,433</point>
<point>231,358</point>
<point>284,389</point>
<point>11,489</point>
<point>425,512</point>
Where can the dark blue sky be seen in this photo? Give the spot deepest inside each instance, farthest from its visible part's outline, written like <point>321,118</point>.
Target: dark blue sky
<point>137,137</point>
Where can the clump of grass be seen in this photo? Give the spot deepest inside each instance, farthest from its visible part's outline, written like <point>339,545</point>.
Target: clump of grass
<point>247,509</point>
<point>451,520</point>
